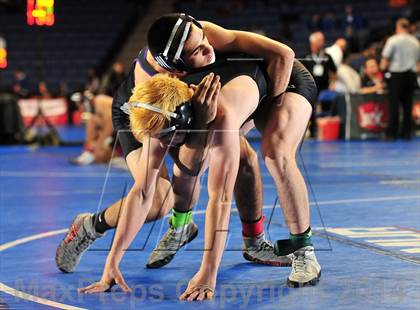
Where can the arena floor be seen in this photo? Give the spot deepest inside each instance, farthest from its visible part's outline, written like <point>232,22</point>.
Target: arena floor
<point>365,208</point>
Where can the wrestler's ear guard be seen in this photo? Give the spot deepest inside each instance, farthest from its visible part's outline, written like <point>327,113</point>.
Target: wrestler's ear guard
<point>180,119</point>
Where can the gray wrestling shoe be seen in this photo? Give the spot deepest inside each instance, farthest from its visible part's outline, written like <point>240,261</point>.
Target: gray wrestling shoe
<point>172,241</point>
<point>261,251</point>
<point>305,268</point>
<point>79,237</point>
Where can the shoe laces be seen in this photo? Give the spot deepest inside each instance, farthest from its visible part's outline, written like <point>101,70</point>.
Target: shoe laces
<point>265,245</point>
<point>299,263</point>
<point>72,233</point>
<point>261,245</point>
<point>169,237</point>
<point>85,242</point>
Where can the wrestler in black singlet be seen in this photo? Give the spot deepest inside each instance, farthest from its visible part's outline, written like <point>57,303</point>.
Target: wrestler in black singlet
<point>227,67</point>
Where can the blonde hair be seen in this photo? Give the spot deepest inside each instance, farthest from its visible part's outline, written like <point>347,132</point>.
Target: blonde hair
<point>161,91</point>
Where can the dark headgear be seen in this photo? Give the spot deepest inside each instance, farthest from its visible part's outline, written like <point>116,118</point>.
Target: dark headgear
<point>167,37</point>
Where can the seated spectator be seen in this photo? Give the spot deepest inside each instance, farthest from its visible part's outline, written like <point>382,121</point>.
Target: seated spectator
<point>99,134</point>
<point>372,80</point>
<point>357,60</point>
<point>348,80</point>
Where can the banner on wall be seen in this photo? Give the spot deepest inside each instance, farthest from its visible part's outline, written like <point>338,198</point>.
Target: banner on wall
<point>55,110</point>
<point>367,115</point>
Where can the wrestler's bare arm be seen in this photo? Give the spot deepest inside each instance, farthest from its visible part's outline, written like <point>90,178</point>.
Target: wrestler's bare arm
<point>133,214</point>
<point>279,57</point>
<point>238,99</point>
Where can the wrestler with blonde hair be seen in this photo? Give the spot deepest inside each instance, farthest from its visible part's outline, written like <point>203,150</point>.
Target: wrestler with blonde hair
<point>152,107</point>
<point>163,92</point>
<point>190,46</point>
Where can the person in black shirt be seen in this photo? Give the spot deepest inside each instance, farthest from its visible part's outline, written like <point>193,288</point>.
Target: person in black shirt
<point>322,67</point>
<point>319,63</point>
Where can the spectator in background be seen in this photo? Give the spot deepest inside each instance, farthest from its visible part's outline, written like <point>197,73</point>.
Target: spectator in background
<point>21,85</point>
<point>348,80</point>
<point>93,82</point>
<point>319,63</point>
<point>43,91</point>
<point>372,79</point>
<point>322,67</point>
<point>400,56</point>
<point>357,60</point>
<point>99,134</point>
<point>99,128</point>
<point>352,24</point>
<point>115,79</point>
<point>336,51</point>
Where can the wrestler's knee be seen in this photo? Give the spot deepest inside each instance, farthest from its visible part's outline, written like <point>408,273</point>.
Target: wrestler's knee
<point>278,152</point>
<point>274,143</point>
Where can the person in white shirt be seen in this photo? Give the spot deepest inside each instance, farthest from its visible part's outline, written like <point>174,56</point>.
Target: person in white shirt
<point>336,51</point>
<point>400,56</point>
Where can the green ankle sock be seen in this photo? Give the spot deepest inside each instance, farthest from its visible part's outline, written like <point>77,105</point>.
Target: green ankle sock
<point>303,239</point>
<point>180,219</point>
<point>295,242</point>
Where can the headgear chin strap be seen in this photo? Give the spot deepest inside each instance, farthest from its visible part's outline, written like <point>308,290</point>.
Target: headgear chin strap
<point>181,119</point>
<point>171,59</point>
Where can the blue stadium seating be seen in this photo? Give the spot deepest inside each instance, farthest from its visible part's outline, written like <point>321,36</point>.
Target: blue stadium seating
<point>84,36</point>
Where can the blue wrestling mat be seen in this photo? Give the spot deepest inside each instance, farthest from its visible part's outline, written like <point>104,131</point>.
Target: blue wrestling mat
<point>365,210</point>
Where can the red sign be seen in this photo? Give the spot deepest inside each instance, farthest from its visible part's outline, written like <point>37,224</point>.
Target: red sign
<point>373,116</point>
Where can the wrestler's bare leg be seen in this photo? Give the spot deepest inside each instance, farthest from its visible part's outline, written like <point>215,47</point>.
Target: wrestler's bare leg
<point>282,134</point>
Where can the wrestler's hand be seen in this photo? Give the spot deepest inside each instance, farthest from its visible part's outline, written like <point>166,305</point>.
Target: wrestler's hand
<point>110,277</point>
<point>197,292</point>
<point>205,98</point>
<point>201,287</point>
